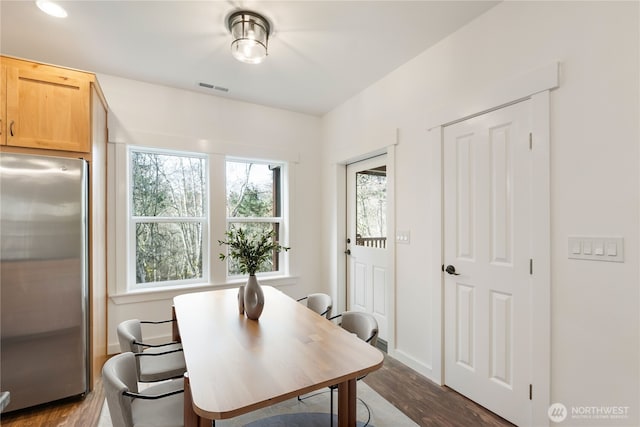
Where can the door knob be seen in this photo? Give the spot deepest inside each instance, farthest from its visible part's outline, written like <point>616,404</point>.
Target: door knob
<point>451,270</point>
<point>348,252</point>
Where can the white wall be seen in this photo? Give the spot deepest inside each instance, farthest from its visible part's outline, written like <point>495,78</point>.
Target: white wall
<point>595,184</point>
<point>595,188</point>
<point>146,114</point>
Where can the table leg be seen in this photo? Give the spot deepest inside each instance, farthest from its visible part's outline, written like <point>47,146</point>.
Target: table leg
<point>347,404</point>
<point>191,419</point>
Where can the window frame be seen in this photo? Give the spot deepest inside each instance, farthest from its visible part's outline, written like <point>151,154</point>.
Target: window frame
<point>216,152</point>
<point>133,221</point>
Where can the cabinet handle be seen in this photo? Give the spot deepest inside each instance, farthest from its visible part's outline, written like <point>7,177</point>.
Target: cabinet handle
<point>11,128</point>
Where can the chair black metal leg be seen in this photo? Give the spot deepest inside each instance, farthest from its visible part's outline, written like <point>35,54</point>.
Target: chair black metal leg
<point>331,412</point>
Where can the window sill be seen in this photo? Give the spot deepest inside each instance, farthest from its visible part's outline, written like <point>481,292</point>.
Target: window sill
<point>158,294</point>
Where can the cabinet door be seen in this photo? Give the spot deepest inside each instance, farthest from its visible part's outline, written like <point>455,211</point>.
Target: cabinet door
<point>3,104</point>
<point>47,108</point>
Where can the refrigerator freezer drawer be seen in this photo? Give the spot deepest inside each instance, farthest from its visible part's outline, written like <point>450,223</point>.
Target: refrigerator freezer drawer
<point>41,368</point>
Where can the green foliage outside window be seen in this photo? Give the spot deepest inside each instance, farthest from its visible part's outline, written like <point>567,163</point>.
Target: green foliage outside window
<point>168,208</point>
<point>253,191</point>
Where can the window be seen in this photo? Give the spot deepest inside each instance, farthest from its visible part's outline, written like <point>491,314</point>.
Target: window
<point>179,205</point>
<point>168,218</point>
<point>254,202</point>
<point>371,207</point>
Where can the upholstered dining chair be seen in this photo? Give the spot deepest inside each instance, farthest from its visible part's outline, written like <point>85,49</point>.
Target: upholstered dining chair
<point>365,327</point>
<point>319,302</point>
<point>160,405</point>
<point>155,362</point>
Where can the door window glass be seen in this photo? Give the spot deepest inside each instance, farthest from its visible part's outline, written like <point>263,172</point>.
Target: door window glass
<point>371,207</point>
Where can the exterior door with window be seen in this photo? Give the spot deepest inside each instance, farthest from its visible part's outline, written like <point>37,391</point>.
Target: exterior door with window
<point>487,241</point>
<point>367,270</point>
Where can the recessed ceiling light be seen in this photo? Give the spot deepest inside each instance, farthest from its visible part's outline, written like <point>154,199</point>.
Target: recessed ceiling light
<point>51,8</point>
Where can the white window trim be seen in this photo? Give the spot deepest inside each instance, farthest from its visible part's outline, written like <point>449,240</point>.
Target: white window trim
<point>218,152</point>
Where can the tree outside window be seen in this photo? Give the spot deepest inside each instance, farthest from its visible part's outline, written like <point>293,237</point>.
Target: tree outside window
<point>371,207</point>
<point>253,202</point>
<point>168,216</point>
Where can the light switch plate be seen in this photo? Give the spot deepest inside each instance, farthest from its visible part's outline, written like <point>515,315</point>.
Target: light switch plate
<point>596,248</point>
<point>403,237</point>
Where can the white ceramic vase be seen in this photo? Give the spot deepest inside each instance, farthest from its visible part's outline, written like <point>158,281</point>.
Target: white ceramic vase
<point>253,298</point>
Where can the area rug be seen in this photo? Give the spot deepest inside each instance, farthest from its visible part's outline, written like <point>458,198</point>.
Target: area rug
<point>311,412</point>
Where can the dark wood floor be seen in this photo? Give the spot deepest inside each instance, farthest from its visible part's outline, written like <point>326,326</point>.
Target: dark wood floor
<point>425,402</point>
<point>420,399</point>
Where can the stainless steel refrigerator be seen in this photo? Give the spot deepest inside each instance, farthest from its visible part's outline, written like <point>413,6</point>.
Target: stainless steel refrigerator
<point>43,278</point>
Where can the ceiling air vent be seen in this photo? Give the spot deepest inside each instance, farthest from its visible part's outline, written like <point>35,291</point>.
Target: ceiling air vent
<point>210,86</point>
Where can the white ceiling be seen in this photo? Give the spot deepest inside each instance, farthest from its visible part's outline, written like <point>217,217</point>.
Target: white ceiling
<point>321,53</point>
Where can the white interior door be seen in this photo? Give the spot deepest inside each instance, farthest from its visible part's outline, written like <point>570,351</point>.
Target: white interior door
<point>487,236</point>
<point>368,280</point>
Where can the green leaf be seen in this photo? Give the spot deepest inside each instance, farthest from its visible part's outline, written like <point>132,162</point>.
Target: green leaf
<point>250,251</point>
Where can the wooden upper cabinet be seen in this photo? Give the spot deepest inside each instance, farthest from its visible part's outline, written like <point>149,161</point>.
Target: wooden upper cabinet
<point>3,104</point>
<point>47,107</point>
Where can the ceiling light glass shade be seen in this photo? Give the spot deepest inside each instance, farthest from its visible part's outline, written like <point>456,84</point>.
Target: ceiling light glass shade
<point>250,33</point>
<point>51,8</point>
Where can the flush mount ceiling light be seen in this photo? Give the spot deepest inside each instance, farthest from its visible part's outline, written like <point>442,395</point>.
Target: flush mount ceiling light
<point>250,33</point>
<point>51,8</point>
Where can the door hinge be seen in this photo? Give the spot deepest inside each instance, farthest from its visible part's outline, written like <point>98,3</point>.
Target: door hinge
<point>530,141</point>
<point>531,266</point>
<point>530,391</point>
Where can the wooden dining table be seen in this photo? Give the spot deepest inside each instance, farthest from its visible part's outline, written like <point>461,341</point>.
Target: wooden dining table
<point>236,365</point>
